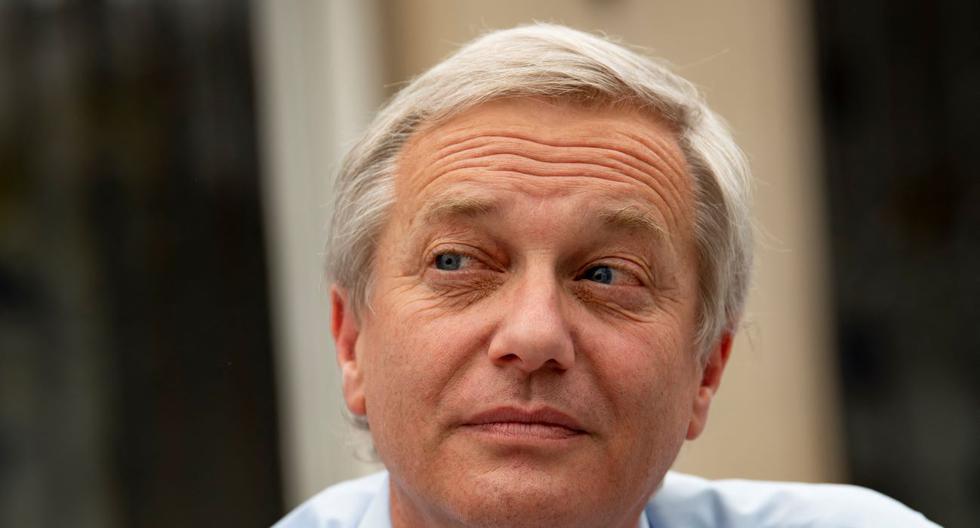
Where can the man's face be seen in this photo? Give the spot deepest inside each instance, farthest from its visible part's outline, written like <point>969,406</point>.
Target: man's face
<point>527,356</point>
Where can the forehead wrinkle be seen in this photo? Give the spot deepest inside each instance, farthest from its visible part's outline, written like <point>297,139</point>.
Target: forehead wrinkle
<point>628,216</point>
<point>513,166</point>
<point>646,153</point>
<point>663,150</point>
<point>495,156</point>
<point>458,143</point>
<point>580,174</point>
<point>613,157</point>
<point>615,149</point>
<point>542,167</point>
<point>664,147</point>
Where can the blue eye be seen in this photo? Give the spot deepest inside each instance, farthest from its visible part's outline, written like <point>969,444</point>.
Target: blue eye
<point>603,274</point>
<point>449,261</point>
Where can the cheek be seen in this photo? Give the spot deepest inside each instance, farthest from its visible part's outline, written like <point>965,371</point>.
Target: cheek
<point>416,358</point>
<point>645,356</point>
<point>647,372</point>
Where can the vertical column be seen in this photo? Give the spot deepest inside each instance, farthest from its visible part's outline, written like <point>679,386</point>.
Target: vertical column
<point>319,81</point>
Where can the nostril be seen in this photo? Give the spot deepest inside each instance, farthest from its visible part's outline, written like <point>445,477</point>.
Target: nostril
<point>555,364</point>
<point>522,363</point>
<point>507,358</point>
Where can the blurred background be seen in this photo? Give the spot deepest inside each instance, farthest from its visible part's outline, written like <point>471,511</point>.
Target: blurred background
<point>164,184</point>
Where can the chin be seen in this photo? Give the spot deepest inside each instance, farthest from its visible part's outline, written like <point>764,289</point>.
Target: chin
<point>515,510</point>
<point>515,497</point>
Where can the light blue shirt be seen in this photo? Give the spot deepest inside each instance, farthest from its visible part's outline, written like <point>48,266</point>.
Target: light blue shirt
<point>683,501</point>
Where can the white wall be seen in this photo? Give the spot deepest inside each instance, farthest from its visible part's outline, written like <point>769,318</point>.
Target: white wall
<point>319,81</point>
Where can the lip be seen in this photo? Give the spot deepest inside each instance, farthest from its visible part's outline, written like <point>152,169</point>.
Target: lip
<point>544,423</point>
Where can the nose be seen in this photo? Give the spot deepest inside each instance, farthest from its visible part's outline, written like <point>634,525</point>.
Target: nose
<point>534,334</point>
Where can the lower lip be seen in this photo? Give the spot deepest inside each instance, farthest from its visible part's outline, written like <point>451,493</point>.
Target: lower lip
<point>525,431</point>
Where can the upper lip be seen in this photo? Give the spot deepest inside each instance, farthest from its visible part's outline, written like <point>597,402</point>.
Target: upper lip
<point>537,415</point>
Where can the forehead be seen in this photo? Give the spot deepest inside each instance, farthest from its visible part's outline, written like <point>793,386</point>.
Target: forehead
<point>539,149</point>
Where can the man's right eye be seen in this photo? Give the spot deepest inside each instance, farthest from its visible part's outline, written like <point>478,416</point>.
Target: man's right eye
<point>449,261</point>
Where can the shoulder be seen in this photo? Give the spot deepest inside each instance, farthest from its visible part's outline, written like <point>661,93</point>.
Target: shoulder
<point>689,501</point>
<point>343,505</point>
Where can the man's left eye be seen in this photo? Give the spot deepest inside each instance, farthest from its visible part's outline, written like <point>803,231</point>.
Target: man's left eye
<point>601,274</point>
<point>449,261</point>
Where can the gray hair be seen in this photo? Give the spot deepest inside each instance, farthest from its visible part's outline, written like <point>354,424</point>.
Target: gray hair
<point>546,60</point>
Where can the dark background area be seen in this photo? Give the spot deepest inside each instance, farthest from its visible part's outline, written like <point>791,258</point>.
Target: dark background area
<point>900,98</point>
<point>136,386</point>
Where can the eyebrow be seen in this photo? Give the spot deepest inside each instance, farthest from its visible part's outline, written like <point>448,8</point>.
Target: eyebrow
<point>441,208</point>
<point>633,217</point>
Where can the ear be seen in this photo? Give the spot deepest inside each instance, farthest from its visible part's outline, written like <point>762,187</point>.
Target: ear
<point>710,381</point>
<point>345,329</point>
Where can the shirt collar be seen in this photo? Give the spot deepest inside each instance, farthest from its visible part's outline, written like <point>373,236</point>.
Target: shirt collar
<point>378,512</point>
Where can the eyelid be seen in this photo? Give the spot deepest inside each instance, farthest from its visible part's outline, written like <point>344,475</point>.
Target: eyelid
<point>470,254</point>
<point>639,273</point>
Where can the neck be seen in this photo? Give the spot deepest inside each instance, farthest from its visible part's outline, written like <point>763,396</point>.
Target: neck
<point>409,512</point>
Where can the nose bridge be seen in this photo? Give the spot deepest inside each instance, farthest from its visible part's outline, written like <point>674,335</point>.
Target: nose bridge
<point>534,332</point>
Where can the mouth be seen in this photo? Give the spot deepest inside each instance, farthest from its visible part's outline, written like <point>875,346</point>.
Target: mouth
<point>512,423</point>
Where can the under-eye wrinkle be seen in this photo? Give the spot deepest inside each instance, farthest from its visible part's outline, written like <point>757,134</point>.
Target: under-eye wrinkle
<point>632,301</point>
<point>462,292</point>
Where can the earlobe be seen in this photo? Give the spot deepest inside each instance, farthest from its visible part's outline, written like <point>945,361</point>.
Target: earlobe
<point>345,329</point>
<point>708,387</point>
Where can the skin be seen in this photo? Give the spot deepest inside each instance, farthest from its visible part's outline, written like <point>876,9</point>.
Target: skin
<point>540,255</point>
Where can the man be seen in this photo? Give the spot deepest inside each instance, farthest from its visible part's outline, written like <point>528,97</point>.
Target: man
<point>540,253</point>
